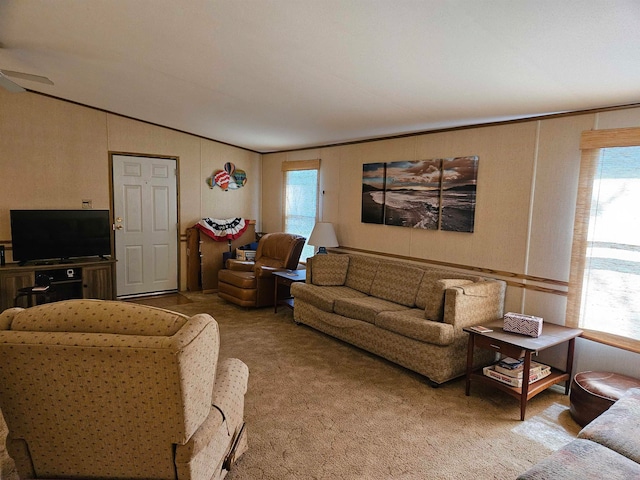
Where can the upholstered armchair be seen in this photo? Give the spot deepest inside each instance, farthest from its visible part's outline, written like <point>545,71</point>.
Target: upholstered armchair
<point>251,284</point>
<point>101,389</point>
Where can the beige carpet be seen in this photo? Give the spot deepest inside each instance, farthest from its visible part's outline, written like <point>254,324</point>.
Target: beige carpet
<point>318,408</point>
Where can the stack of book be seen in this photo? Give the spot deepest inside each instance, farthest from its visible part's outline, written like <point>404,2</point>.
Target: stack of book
<point>510,371</point>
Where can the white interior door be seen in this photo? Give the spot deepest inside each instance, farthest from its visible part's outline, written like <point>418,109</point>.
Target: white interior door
<point>146,224</point>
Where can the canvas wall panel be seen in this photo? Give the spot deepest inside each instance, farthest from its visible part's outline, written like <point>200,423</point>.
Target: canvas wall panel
<point>505,170</point>
<point>386,238</point>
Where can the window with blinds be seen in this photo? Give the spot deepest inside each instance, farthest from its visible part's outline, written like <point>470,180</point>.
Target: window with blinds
<point>301,199</point>
<point>604,287</point>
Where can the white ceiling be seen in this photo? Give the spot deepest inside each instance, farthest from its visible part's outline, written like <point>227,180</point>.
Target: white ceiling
<point>271,75</point>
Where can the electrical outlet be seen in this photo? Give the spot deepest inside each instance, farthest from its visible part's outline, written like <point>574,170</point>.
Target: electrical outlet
<point>87,204</point>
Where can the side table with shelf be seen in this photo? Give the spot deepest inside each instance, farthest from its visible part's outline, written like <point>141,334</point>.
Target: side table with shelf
<point>518,346</point>
<point>284,278</point>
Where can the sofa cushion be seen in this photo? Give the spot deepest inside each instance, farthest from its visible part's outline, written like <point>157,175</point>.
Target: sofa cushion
<point>322,297</point>
<point>584,460</point>
<point>397,283</point>
<point>362,271</point>
<point>434,309</point>
<point>411,323</point>
<point>329,270</point>
<point>618,427</point>
<point>364,308</point>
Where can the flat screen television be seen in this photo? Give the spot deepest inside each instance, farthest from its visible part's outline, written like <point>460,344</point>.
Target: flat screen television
<point>45,235</point>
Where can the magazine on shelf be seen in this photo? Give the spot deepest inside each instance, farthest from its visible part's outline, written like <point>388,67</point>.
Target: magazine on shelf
<point>511,363</point>
<point>514,382</point>
<point>517,372</point>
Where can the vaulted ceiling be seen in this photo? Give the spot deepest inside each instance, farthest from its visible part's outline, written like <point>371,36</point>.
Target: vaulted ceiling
<point>271,75</point>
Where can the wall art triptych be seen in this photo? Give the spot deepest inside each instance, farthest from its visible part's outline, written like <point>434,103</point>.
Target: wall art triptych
<point>430,194</point>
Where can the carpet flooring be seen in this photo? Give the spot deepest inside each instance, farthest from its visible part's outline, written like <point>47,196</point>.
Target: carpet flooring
<point>318,408</point>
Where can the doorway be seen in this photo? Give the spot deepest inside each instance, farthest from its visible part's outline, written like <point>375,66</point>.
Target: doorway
<point>145,217</point>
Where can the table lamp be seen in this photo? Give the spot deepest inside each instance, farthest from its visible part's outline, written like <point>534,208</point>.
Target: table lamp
<point>323,236</point>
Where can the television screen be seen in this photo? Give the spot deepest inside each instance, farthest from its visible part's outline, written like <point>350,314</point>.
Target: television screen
<point>59,234</point>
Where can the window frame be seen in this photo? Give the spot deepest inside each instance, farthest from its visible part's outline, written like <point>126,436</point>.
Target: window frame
<point>297,165</point>
<point>591,144</point>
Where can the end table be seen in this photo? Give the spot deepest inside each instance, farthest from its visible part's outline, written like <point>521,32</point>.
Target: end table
<point>518,346</point>
<point>286,278</point>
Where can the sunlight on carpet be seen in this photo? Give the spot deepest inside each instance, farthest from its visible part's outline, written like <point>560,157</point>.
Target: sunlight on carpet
<point>552,428</point>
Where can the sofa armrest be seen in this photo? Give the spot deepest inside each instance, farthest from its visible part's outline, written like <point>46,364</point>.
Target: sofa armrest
<point>203,454</point>
<point>240,265</point>
<point>232,379</point>
<point>19,452</point>
<point>7,316</point>
<point>263,271</point>
<point>474,304</point>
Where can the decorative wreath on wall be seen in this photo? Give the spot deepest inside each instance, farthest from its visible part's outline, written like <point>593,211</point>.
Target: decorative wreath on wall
<point>228,179</point>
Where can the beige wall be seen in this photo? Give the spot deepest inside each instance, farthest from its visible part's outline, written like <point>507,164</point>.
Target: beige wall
<point>526,193</point>
<point>54,154</point>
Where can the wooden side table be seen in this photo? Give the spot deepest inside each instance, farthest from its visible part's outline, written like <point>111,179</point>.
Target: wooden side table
<point>517,346</point>
<point>286,278</point>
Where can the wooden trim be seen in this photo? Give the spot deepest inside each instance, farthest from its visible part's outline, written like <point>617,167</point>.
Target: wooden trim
<point>462,127</point>
<point>616,137</point>
<point>355,142</point>
<point>143,121</point>
<point>289,165</point>
<point>612,340</point>
<point>509,275</point>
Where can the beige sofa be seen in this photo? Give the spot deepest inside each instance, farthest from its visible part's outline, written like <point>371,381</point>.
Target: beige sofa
<point>100,389</point>
<point>410,314</point>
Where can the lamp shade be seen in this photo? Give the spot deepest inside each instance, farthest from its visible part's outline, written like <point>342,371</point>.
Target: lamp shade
<point>322,236</point>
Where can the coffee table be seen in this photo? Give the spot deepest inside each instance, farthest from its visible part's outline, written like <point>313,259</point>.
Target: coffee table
<point>518,346</point>
<point>286,278</point>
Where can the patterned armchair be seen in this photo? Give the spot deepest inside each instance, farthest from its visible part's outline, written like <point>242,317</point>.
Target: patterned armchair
<point>100,389</point>
<point>250,284</point>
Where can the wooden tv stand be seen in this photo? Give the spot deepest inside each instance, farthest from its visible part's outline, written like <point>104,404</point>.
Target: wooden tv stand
<point>80,278</point>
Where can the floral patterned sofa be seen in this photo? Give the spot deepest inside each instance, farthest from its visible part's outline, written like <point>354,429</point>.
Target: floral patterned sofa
<point>608,447</point>
<point>408,313</point>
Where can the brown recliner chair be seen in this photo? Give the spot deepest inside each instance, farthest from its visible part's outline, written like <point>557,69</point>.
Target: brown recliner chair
<point>250,284</point>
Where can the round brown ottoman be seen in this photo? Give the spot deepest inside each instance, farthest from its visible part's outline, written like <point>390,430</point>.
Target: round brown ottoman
<point>594,392</point>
